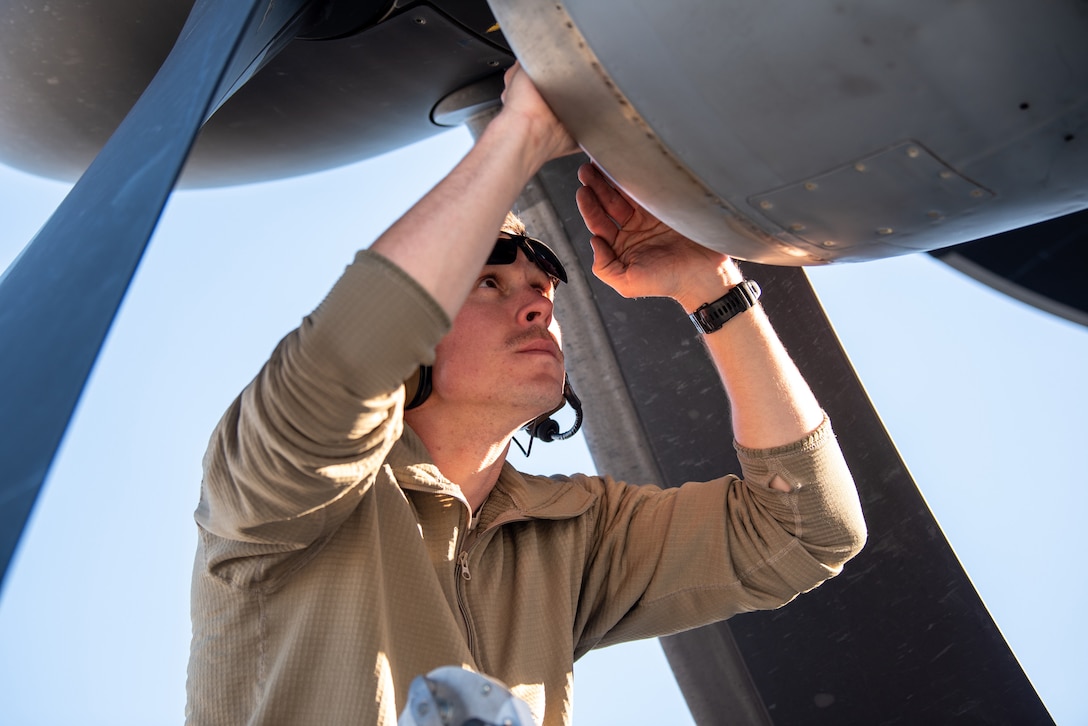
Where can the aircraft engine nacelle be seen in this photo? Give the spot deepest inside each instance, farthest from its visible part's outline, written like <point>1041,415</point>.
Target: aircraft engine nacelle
<point>782,131</point>
<point>805,131</point>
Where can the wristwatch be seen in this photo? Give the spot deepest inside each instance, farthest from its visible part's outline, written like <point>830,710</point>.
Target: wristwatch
<point>713,315</point>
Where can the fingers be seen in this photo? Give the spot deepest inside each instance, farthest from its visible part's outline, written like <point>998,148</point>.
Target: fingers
<point>597,220</point>
<point>507,77</point>
<point>510,80</point>
<point>603,257</point>
<point>522,99</point>
<point>604,232</point>
<point>614,203</point>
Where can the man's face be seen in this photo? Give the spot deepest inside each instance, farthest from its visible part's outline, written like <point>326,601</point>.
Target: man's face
<point>503,352</point>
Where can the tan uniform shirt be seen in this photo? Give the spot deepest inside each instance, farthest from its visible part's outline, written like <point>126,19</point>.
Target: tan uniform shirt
<point>335,561</point>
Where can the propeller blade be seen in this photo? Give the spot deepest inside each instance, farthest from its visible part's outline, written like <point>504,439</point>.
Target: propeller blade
<point>898,636</point>
<point>1042,264</point>
<point>58,299</point>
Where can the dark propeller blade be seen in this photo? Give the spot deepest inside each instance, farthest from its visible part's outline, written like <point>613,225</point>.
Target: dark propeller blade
<point>901,636</point>
<point>58,299</point>
<point>1042,264</point>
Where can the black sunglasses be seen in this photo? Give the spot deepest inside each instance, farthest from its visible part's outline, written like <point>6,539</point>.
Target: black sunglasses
<point>506,251</point>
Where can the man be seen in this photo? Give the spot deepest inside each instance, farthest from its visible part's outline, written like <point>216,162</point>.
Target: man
<point>348,545</point>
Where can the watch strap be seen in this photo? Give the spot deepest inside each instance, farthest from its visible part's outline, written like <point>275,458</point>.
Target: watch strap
<point>713,315</point>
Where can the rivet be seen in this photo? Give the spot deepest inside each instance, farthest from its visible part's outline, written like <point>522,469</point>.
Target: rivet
<point>811,186</point>
<point>976,193</point>
<point>934,214</point>
<point>420,20</point>
<point>486,689</point>
<point>830,243</point>
<point>860,167</point>
<point>797,227</point>
<point>494,63</point>
<point>884,230</point>
<point>766,205</point>
<point>946,174</point>
<point>913,152</point>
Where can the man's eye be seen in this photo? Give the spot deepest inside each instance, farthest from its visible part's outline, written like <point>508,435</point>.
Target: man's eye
<point>487,281</point>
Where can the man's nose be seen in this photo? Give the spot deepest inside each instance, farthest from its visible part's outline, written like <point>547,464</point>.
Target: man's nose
<point>536,308</point>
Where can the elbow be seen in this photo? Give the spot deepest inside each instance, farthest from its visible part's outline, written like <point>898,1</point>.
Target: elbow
<point>849,536</point>
<point>840,528</point>
<point>855,531</point>
<point>857,536</point>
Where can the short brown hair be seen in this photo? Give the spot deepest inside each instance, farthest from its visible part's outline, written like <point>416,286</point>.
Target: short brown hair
<point>513,225</point>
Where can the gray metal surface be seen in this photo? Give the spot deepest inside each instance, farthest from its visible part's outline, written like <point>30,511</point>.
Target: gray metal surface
<point>900,637</point>
<point>704,109</point>
<point>70,71</point>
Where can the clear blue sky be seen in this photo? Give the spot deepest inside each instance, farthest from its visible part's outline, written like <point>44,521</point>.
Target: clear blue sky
<point>984,396</point>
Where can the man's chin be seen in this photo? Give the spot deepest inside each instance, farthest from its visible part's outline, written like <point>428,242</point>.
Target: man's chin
<point>548,404</point>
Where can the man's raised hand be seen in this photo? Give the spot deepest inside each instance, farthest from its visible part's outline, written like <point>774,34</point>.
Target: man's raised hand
<point>638,255</point>
<point>521,97</point>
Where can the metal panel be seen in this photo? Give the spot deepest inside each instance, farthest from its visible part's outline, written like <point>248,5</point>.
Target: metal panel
<point>893,197</point>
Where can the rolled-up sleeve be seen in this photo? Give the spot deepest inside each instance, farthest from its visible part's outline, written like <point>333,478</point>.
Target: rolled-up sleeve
<point>821,511</point>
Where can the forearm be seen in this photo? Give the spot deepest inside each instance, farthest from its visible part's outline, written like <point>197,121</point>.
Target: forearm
<point>444,240</point>
<point>639,256</point>
<point>771,403</point>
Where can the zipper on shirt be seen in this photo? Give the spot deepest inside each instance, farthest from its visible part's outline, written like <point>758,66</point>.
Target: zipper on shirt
<point>464,545</point>
<point>465,575</point>
<point>463,565</point>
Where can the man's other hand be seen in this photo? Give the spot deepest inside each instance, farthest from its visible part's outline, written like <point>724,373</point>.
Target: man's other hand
<point>638,255</point>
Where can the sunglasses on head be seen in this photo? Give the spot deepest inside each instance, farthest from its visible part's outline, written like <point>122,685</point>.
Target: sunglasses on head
<point>506,251</point>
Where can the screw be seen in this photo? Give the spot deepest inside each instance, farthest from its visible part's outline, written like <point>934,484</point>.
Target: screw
<point>420,20</point>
